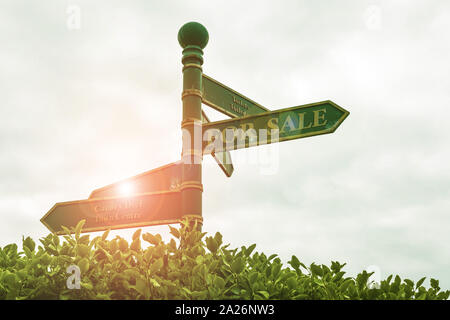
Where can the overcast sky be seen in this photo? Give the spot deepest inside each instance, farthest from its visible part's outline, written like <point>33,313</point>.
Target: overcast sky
<point>86,104</point>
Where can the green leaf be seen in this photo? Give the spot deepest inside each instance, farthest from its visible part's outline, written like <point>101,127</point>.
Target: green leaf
<point>11,250</point>
<point>45,259</point>
<point>388,279</point>
<point>87,285</point>
<point>79,227</point>
<point>302,296</point>
<point>141,286</point>
<point>117,256</point>
<point>211,244</point>
<point>27,251</point>
<point>276,268</point>
<point>28,243</point>
<point>250,249</point>
<point>102,296</point>
<point>66,230</point>
<point>136,244</point>
<point>148,254</point>
<point>84,239</point>
<point>173,245</point>
<point>423,296</point>
<point>137,234</point>
<point>123,245</point>
<point>338,276</point>
<point>291,283</point>
<point>316,270</point>
<point>175,232</point>
<point>336,266</point>
<point>434,283</point>
<point>263,294</point>
<point>344,286</point>
<point>83,264</point>
<point>10,279</point>
<point>199,259</point>
<point>238,265</point>
<point>156,266</point>
<point>219,282</point>
<point>271,257</point>
<point>218,238</point>
<point>419,283</point>
<point>151,239</point>
<point>155,283</point>
<point>253,277</point>
<point>295,263</point>
<point>409,282</point>
<point>105,234</point>
<point>187,292</point>
<point>83,250</point>
<point>319,282</point>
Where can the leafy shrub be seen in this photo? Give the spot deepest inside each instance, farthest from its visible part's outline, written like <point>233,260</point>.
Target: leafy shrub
<point>195,266</point>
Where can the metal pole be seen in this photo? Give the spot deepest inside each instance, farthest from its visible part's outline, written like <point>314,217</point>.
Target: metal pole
<point>192,37</point>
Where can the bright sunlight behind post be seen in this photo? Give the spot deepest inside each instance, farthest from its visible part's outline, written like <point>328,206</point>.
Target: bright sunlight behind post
<point>126,189</point>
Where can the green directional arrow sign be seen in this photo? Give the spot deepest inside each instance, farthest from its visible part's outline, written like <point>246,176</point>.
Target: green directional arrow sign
<point>165,178</point>
<point>116,212</point>
<point>275,126</point>
<point>226,100</point>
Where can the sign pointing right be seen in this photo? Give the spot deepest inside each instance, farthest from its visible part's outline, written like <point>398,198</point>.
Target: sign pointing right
<point>274,126</point>
<point>228,101</point>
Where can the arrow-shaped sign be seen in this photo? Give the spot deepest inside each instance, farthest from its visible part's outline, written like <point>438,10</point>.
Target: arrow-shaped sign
<point>165,178</point>
<point>274,126</point>
<point>116,212</point>
<point>226,100</point>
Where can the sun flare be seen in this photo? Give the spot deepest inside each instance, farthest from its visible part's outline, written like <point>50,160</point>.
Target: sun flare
<point>126,189</point>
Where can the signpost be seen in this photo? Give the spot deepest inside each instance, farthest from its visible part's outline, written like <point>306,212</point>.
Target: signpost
<point>228,101</point>
<point>274,126</point>
<point>116,212</point>
<point>173,192</point>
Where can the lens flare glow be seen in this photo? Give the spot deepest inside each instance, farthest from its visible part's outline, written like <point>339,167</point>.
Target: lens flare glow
<point>126,189</point>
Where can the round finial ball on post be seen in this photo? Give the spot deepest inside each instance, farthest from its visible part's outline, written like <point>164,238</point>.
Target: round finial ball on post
<point>193,34</point>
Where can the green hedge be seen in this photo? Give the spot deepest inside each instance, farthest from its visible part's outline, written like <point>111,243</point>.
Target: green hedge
<point>197,267</point>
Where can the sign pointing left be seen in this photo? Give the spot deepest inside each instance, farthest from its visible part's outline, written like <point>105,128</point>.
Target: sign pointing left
<point>116,212</point>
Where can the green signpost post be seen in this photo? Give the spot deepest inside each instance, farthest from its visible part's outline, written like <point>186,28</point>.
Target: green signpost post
<point>173,192</point>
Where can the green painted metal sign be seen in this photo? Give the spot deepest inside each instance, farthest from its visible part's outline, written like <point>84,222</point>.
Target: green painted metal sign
<point>275,126</point>
<point>165,178</point>
<point>116,212</point>
<point>226,100</point>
